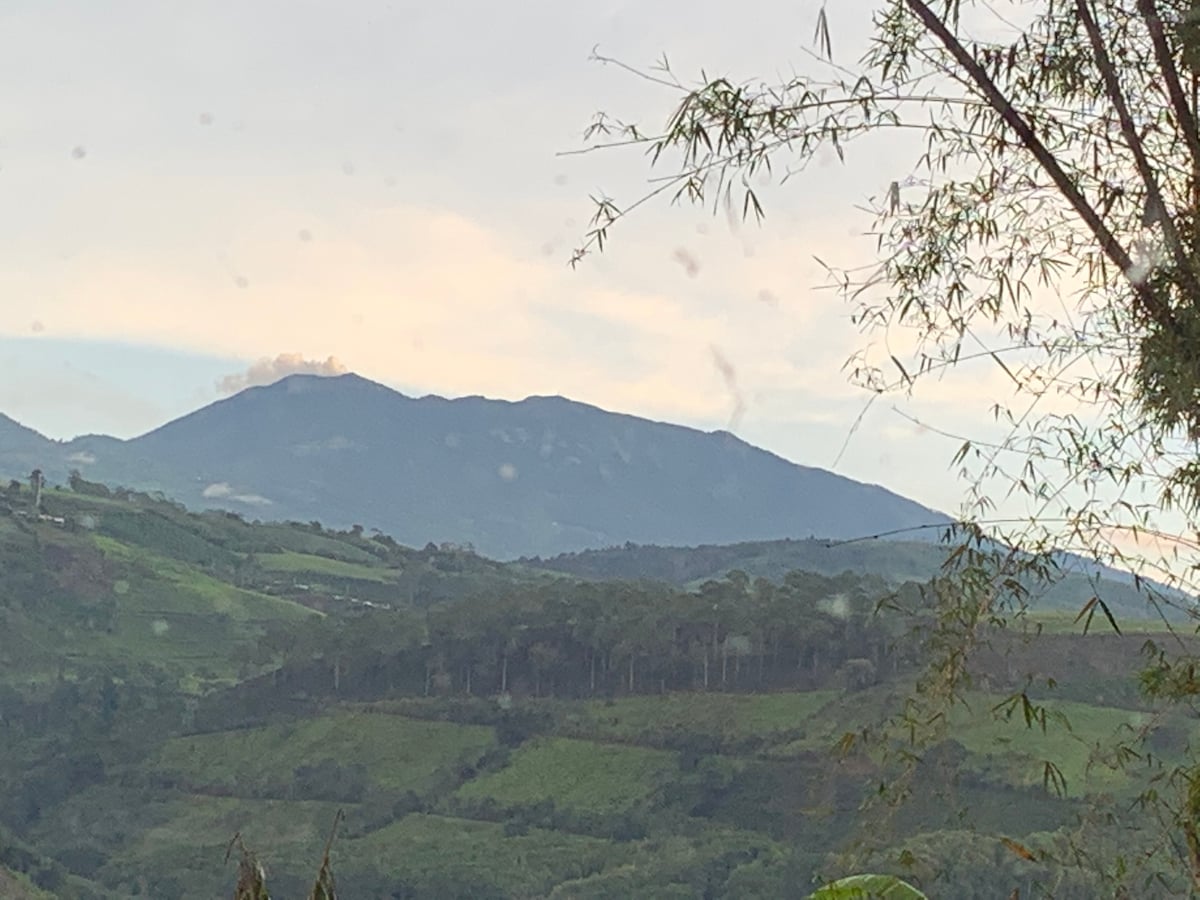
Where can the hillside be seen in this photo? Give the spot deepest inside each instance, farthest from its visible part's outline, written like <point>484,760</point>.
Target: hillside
<point>173,678</point>
<point>539,477</point>
<point>17,887</point>
<point>97,581</point>
<point>895,561</point>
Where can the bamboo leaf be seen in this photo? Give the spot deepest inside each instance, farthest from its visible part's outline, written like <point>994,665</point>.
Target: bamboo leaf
<point>868,887</point>
<point>821,34</point>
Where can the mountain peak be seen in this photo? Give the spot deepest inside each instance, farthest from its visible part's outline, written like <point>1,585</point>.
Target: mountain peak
<point>300,381</point>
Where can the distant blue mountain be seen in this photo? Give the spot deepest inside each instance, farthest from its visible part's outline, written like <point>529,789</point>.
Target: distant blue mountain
<point>541,476</point>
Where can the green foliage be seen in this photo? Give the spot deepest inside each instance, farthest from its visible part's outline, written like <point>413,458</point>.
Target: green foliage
<point>1045,227</point>
<point>1008,743</point>
<point>496,743</point>
<point>161,533</point>
<point>444,857</point>
<point>577,775</point>
<point>306,563</point>
<point>25,872</point>
<point>730,722</point>
<point>393,752</point>
<point>15,886</point>
<point>894,561</point>
<point>867,887</point>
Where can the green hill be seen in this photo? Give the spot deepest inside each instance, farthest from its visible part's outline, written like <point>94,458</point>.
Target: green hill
<point>78,597</point>
<point>124,579</point>
<point>172,679</point>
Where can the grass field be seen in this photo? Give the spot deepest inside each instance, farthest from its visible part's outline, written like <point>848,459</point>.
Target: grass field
<point>305,543</point>
<point>576,774</point>
<point>113,605</point>
<point>1067,622</point>
<point>272,827</point>
<point>170,613</point>
<point>183,588</point>
<point>398,753</point>
<point>1078,739</point>
<point>305,563</point>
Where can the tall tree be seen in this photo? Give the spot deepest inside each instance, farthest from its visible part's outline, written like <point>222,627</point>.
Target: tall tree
<point>1057,167</point>
<point>36,482</point>
<point>1046,224</point>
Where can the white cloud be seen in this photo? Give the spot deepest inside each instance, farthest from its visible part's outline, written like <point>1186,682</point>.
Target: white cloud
<point>268,371</point>
<point>251,499</point>
<point>222,490</point>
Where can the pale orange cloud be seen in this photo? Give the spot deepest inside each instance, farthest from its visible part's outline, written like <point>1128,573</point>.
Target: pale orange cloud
<point>267,371</point>
<point>437,302</point>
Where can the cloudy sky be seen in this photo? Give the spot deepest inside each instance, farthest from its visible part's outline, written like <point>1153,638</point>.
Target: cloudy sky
<point>197,197</point>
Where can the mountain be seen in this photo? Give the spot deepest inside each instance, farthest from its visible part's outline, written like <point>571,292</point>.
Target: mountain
<point>541,476</point>
<point>22,449</point>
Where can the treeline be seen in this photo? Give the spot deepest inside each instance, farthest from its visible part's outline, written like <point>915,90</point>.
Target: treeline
<point>569,640</point>
<point>903,560</point>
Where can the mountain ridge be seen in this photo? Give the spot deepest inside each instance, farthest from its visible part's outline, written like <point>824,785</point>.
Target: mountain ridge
<point>538,476</point>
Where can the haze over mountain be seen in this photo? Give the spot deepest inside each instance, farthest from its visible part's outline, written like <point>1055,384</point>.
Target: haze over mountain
<point>537,477</point>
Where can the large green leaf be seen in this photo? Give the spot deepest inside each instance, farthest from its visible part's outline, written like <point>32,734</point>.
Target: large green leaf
<point>868,887</point>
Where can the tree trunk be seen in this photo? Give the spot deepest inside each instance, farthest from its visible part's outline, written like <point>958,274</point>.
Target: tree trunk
<point>504,674</point>
<point>631,659</point>
<point>592,682</point>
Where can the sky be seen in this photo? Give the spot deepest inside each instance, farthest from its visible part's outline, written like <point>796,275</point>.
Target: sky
<point>199,197</point>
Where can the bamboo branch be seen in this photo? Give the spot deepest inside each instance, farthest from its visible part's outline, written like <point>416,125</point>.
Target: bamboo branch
<point>1151,304</point>
<point>1129,130</point>
<point>1166,63</point>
